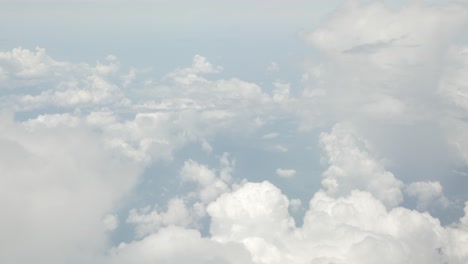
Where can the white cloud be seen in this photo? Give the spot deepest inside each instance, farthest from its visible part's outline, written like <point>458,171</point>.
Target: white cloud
<point>358,229</point>
<point>281,92</point>
<point>173,245</point>
<point>352,167</point>
<point>379,32</point>
<point>394,77</point>
<point>353,229</point>
<point>57,83</point>
<point>255,210</point>
<point>387,79</point>
<point>280,148</point>
<point>111,222</point>
<point>148,222</point>
<point>285,173</point>
<point>165,118</point>
<point>129,78</point>
<point>427,193</point>
<point>58,185</point>
<point>96,90</point>
<point>188,210</point>
<point>210,185</point>
<point>251,224</point>
<point>206,146</point>
<point>270,135</point>
<point>22,67</point>
<point>386,89</point>
<point>295,204</point>
<point>452,84</point>
<point>188,76</point>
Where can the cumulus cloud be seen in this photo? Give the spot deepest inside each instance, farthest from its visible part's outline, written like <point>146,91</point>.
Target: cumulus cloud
<point>385,92</point>
<point>148,222</point>
<point>295,204</point>
<point>280,148</point>
<point>255,210</point>
<point>393,76</point>
<point>285,173</point>
<point>178,245</point>
<point>57,83</point>
<point>22,67</point>
<point>281,92</point>
<point>210,185</point>
<point>82,160</point>
<point>352,167</point>
<point>188,210</point>
<point>187,76</point>
<point>427,193</point>
<point>162,119</point>
<point>353,229</point>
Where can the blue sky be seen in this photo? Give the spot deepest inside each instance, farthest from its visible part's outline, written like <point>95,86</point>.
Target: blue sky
<point>233,132</point>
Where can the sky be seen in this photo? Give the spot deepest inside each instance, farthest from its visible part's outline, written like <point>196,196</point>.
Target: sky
<point>233,131</point>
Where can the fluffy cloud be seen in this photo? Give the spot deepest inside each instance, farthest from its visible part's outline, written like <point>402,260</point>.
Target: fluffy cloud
<point>253,210</point>
<point>186,211</point>
<point>285,173</point>
<point>385,91</point>
<point>358,229</point>
<point>21,67</point>
<point>295,204</point>
<point>71,168</point>
<point>280,148</point>
<point>210,186</point>
<point>146,124</point>
<point>427,193</point>
<point>394,77</point>
<point>57,83</point>
<point>191,75</point>
<point>352,167</point>
<point>353,229</point>
<point>148,222</point>
<point>178,245</point>
<point>281,92</point>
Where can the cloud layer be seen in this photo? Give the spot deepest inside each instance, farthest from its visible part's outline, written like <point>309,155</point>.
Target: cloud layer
<point>383,96</point>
